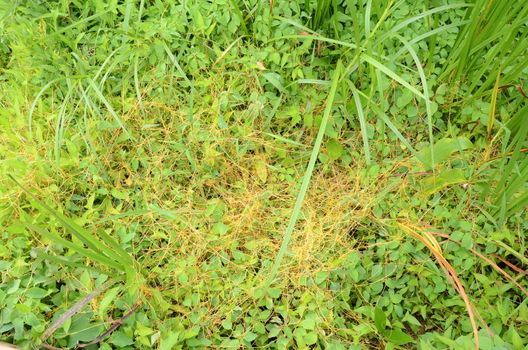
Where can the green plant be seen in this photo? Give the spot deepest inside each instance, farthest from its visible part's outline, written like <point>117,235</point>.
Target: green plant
<point>307,175</point>
<point>493,41</point>
<point>509,194</point>
<point>101,248</point>
<point>188,149</point>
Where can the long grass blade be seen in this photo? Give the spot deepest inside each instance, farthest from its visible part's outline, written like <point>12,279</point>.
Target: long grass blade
<point>136,83</point>
<point>387,71</point>
<point>100,258</point>
<point>428,107</point>
<point>432,245</point>
<point>368,9</point>
<point>307,175</point>
<point>408,21</point>
<point>362,122</point>
<point>240,16</point>
<point>107,104</point>
<point>393,128</point>
<point>37,98</point>
<point>82,234</point>
<point>176,64</point>
<point>430,33</point>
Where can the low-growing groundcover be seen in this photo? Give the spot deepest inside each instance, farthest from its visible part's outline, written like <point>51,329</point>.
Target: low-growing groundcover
<point>331,174</point>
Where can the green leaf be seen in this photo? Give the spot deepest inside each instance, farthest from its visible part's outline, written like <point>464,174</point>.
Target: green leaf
<point>275,80</point>
<point>274,292</point>
<point>250,336</point>
<point>120,339</point>
<point>516,339</point>
<point>169,341</point>
<point>82,330</point>
<point>219,229</point>
<point>380,319</point>
<point>37,293</point>
<point>308,324</point>
<point>405,98</point>
<point>108,299</point>
<point>261,168</point>
<point>197,17</point>
<point>442,150</point>
<point>118,194</point>
<point>5,265</point>
<point>446,178</point>
<point>310,338</point>
<point>398,337</point>
<point>321,276</point>
<point>12,286</point>
<point>411,319</point>
<point>227,324</point>
<point>334,148</point>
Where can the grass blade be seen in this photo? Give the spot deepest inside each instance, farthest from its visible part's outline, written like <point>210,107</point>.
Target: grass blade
<point>59,126</point>
<point>428,108</point>
<point>83,235</point>
<point>493,105</point>
<point>362,122</point>
<point>240,16</point>
<point>367,18</point>
<point>391,74</point>
<point>101,97</point>
<point>75,247</point>
<point>136,83</point>
<point>405,23</point>
<point>393,127</point>
<point>431,243</point>
<point>174,61</point>
<point>128,12</point>
<point>307,175</point>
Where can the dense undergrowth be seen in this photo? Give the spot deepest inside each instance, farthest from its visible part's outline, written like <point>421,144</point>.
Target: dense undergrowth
<point>249,174</point>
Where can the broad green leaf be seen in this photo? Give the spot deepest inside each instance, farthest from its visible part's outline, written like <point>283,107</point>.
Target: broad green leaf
<point>227,324</point>
<point>108,299</point>
<point>250,336</point>
<point>220,229</point>
<point>118,194</point>
<point>380,319</point>
<point>275,80</point>
<point>81,330</point>
<point>169,341</point>
<point>37,293</point>
<point>398,337</point>
<point>334,149</point>
<point>120,339</point>
<point>443,149</point>
<point>516,339</point>
<point>310,338</point>
<point>274,292</point>
<point>448,177</point>
<point>308,324</point>
<point>197,18</point>
<point>321,277</point>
